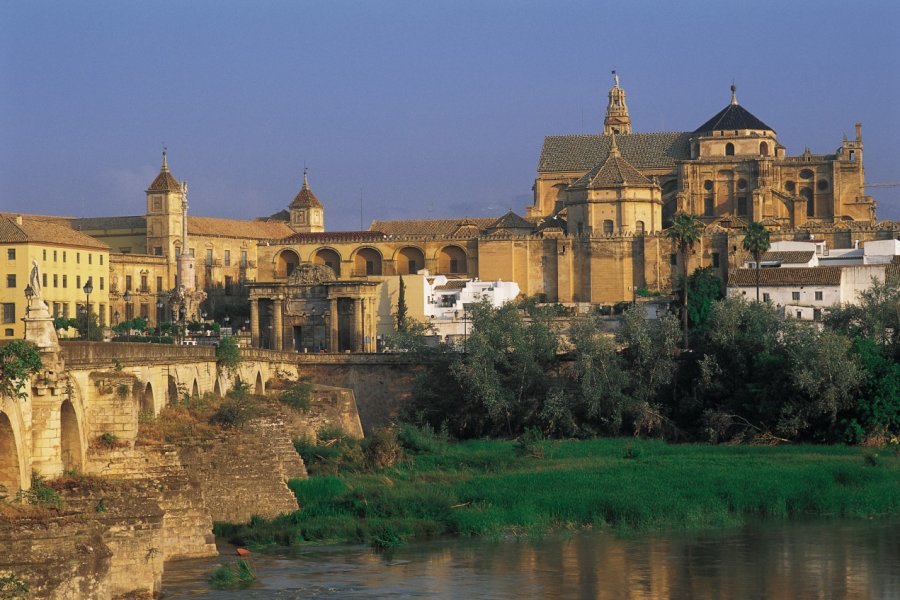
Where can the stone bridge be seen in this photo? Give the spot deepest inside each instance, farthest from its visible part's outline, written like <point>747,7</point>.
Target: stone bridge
<point>89,389</point>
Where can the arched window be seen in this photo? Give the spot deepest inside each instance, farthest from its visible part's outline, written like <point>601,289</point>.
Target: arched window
<point>367,262</point>
<point>409,260</point>
<point>286,262</point>
<point>763,149</point>
<point>452,260</point>
<point>329,258</point>
<point>729,149</point>
<point>810,203</point>
<point>607,227</point>
<point>639,228</point>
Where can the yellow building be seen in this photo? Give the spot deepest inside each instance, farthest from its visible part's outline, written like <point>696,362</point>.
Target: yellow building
<point>66,259</point>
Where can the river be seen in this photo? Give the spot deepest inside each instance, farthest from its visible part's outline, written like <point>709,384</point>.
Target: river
<point>821,560</point>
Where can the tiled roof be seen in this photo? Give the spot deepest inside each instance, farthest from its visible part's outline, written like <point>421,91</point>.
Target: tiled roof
<point>96,223</point>
<point>234,228</point>
<point>511,221</point>
<point>733,116</point>
<point>45,232</point>
<point>786,277</point>
<point>789,256</point>
<point>305,197</point>
<point>642,150</point>
<point>431,226</point>
<point>615,171</point>
<point>452,284</point>
<point>333,236</point>
<point>164,182</point>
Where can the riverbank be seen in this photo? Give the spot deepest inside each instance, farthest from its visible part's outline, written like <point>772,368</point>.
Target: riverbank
<point>501,488</point>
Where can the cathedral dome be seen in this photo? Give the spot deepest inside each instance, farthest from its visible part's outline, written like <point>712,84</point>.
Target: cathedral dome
<point>733,117</point>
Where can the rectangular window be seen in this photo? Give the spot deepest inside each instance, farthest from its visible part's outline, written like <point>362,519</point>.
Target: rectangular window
<point>370,267</point>
<point>128,283</point>
<point>818,295</point>
<point>9,312</point>
<point>228,258</point>
<point>673,259</point>
<point>45,254</point>
<point>44,279</point>
<point>65,281</point>
<point>56,309</point>
<point>101,259</point>
<point>145,310</point>
<point>157,250</point>
<point>8,332</point>
<point>11,280</point>
<point>209,257</point>
<point>191,252</point>
<point>11,254</point>
<point>90,258</point>
<point>64,256</point>
<point>159,286</point>
<point>766,297</point>
<point>101,314</point>
<point>78,258</point>
<point>742,205</point>
<point>244,258</point>
<point>129,311</point>
<point>65,310</point>
<point>78,281</point>
<point>144,287</point>
<point>708,207</point>
<point>795,296</point>
<point>101,283</point>
<point>54,256</point>
<point>55,280</point>
<point>715,260</point>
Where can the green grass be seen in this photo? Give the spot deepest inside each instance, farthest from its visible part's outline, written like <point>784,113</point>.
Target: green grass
<point>489,488</point>
<point>237,575</point>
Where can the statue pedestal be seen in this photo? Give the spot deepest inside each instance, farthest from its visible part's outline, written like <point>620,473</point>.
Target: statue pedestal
<point>39,328</point>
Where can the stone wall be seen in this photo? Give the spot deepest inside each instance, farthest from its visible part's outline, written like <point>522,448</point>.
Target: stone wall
<point>329,407</point>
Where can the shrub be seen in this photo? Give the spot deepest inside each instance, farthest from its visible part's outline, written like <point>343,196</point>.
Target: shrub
<point>332,452</point>
<point>298,395</point>
<point>531,443</point>
<point>234,412</point>
<point>239,574</point>
<point>228,354</point>
<point>41,494</point>
<point>12,587</point>
<point>382,449</point>
<point>422,439</point>
<point>108,440</point>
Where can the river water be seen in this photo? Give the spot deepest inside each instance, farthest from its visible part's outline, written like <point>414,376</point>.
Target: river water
<point>823,560</point>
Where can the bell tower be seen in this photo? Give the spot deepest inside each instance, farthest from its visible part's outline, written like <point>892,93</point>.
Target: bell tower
<point>617,119</point>
<point>164,212</point>
<point>307,213</point>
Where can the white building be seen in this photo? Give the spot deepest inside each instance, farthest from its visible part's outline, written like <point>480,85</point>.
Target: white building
<point>447,301</point>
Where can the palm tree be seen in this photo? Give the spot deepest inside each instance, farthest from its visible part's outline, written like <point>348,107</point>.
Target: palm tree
<point>685,231</point>
<point>756,242</point>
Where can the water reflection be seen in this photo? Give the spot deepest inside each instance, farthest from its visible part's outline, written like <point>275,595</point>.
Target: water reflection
<point>816,561</point>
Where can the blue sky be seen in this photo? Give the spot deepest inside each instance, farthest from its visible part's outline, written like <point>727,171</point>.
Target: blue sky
<point>412,109</point>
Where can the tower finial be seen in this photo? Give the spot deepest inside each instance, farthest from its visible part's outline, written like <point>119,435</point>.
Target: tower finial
<point>733,94</point>
<point>613,145</point>
<point>165,165</point>
<point>305,180</point>
<point>615,78</point>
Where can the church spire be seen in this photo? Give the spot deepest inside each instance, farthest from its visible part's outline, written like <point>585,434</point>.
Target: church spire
<point>617,118</point>
<point>165,165</point>
<point>734,101</point>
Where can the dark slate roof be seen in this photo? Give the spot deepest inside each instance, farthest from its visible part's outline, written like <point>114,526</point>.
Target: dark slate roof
<point>642,150</point>
<point>733,116</point>
<point>98,223</point>
<point>786,277</point>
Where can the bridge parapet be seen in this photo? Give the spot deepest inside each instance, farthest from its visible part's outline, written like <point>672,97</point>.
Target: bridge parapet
<point>106,353</point>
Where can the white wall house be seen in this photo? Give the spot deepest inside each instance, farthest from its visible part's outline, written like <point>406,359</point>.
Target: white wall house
<point>446,301</point>
<point>806,292</point>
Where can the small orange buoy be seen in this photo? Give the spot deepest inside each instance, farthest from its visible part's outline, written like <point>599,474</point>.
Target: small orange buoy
<point>243,552</point>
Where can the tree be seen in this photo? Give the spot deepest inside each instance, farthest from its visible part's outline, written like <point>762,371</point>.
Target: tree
<point>401,307</point>
<point>756,242</point>
<point>228,354</point>
<point>705,288</point>
<point>686,230</point>
<point>18,360</point>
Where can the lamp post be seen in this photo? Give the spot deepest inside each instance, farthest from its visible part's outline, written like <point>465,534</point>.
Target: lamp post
<point>29,294</point>
<point>126,298</point>
<point>88,288</point>
<point>159,315</point>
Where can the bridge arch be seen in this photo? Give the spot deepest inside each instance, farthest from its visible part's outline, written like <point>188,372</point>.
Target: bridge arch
<point>148,403</point>
<point>195,389</point>
<point>12,460</point>
<point>70,437</point>
<point>259,389</point>
<point>217,389</point>
<point>171,391</point>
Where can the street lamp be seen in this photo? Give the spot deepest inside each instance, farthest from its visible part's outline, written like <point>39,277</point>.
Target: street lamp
<point>127,299</point>
<point>88,288</point>
<point>29,294</point>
